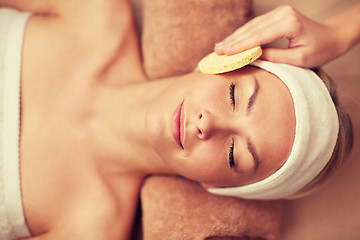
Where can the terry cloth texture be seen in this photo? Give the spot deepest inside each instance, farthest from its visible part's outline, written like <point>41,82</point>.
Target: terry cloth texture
<point>12,221</point>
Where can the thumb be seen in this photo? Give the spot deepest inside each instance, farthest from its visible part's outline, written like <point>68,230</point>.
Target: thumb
<point>205,185</point>
<point>293,56</point>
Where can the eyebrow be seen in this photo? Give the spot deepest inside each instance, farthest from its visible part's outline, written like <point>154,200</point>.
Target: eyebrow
<point>250,144</point>
<point>253,97</point>
<point>252,151</point>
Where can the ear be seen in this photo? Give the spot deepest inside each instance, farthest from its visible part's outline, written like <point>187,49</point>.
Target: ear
<point>205,185</point>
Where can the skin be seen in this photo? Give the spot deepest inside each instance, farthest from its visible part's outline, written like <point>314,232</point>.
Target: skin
<point>81,170</point>
<point>212,123</point>
<point>309,41</point>
<point>71,186</point>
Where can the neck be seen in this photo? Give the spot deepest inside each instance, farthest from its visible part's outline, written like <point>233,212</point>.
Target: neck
<point>118,129</point>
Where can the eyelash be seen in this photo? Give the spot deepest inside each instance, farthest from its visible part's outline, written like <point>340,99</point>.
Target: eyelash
<point>232,94</point>
<point>231,155</point>
<point>231,149</point>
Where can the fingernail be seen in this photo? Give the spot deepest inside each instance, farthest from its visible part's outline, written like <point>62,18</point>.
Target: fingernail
<point>219,46</point>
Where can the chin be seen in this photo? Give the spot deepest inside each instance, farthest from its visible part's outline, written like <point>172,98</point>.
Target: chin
<point>154,127</point>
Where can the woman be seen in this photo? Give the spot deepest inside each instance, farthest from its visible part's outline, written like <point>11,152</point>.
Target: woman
<point>92,126</point>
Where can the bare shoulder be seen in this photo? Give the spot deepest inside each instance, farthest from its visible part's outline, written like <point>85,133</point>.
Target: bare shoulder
<point>97,213</point>
<point>78,36</point>
<point>108,216</point>
<point>47,7</point>
<point>37,6</point>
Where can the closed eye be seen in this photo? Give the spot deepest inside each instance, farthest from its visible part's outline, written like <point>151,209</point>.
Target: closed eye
<point>232,94</point>
<point>231,155</point>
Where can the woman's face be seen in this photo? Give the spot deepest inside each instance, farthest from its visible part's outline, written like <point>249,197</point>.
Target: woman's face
<point>223,130</point>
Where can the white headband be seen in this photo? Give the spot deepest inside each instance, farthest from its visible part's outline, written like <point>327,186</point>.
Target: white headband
<point>316,133</point>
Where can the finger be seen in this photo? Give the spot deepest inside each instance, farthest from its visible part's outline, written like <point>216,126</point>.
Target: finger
<point>219,48</point>
<point>246,32</point>
<point>242,32</point>
<point>243,38</point>
<point>292,56</point>
<point>260,23</point>
<point>258,32</point>
<point>256,38</point>
<point>238,34</point>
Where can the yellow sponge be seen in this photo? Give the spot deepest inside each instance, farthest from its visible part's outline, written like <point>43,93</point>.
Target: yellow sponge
<point>214,63</point>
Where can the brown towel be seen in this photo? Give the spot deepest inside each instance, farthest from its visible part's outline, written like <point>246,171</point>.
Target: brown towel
<point>178,33</point>
<point>175,208</point>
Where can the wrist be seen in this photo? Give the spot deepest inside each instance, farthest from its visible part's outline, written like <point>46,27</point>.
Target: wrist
<point>342,36</point>
<point>346,28</point>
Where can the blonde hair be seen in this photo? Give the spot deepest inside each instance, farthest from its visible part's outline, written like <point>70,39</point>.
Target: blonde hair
<point>343,145</point>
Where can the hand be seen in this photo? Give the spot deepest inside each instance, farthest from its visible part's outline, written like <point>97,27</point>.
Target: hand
<point>311,44</point>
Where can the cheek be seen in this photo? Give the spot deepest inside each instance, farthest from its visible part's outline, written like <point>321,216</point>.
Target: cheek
<point>212,93</point>
<point>157,133</point>
<point>206,163</point>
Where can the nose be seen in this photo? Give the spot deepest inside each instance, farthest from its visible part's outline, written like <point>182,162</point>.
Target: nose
<point>208,124</point>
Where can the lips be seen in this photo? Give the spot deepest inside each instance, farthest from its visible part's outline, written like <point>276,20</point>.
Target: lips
<point>177,124</point>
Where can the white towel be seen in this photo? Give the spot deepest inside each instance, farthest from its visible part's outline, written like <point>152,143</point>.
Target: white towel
<point>316,133</point>
<point>12,221</point>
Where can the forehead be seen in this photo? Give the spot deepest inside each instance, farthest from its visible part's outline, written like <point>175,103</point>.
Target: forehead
<point>274,120</point>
